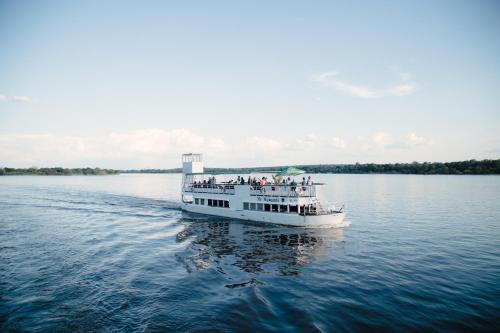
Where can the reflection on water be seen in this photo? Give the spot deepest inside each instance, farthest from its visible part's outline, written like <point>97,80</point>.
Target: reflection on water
<point>108,253</point>
<point>254,248</point>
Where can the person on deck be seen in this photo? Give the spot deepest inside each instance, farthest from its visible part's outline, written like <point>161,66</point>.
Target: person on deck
<point>309,181</point>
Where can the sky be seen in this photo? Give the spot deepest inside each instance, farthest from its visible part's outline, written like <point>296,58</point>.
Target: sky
<point>134,84</point>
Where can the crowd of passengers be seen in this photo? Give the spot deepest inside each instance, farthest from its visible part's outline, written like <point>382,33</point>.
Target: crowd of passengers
<point>255,182</point>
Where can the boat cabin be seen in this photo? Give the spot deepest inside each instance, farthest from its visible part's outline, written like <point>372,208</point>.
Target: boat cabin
<point>200,189</point>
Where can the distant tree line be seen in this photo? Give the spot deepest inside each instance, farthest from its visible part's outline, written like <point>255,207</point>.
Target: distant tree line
<point>471,167</point>
<point>175,170</point>
<point>56,171</point>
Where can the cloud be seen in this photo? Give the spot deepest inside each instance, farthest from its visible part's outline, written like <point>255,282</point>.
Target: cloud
<point>15,99</point>
<point>140,148</point>
<point>357,91</point>
<point>309,142</point>
<point>324,77</point>
<point>154,142</point>
<point>399,90</point>
<point>338,143</point>
<point>160,148</point>
<point>418,140</point>
<point>266,144</point>
<point>329,79</point>
<point>381,137</point>
<point>20,99</point>
<point>384,140</point>
<point>152,148</point>
<point>38,148</point>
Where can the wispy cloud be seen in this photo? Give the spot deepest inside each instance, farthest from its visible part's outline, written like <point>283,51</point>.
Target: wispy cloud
<point>20,99</point>
<point>15,99</point>
<point>330,79</point>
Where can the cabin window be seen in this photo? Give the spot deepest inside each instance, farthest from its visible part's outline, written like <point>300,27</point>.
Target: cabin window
<point>301,209</point>
<point>293,209</point>
<point>196,201</point>
<point>283,208</point>
<point>202,201</point>
<point>245,206</point>
<point>210,202</point>
<point>221,203</point>
<point>267,207</point>
<point>274,208</point>
<point>226,204</point>
<point>260,206</point>
<point>253,206</point>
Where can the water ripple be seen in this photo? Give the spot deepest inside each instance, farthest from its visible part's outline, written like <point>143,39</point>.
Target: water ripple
<point>75,256</point>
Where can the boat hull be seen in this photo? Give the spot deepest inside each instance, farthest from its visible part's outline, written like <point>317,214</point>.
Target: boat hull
<point>333,220</point>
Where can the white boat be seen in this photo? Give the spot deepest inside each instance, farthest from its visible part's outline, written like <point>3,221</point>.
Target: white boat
<point>286,204</point>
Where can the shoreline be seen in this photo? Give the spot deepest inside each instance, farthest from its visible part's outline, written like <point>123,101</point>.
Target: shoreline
<point>470,167</point>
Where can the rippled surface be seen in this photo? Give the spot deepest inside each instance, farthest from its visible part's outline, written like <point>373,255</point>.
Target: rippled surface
<point>115,253</point>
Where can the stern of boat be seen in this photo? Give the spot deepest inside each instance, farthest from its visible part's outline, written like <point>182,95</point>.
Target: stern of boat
<point>329,220</point>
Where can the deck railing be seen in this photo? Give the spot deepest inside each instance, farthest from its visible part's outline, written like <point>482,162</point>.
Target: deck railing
<point>283,190</point>
<point>210,188</point>
<point>256,190</point>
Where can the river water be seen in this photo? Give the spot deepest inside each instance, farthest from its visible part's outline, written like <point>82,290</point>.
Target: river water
<point>115,253</point>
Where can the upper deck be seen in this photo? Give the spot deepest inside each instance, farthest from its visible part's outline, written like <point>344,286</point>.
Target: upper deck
<point>268,190</point>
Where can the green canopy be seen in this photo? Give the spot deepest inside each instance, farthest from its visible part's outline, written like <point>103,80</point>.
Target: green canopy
<point>290,171</point>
